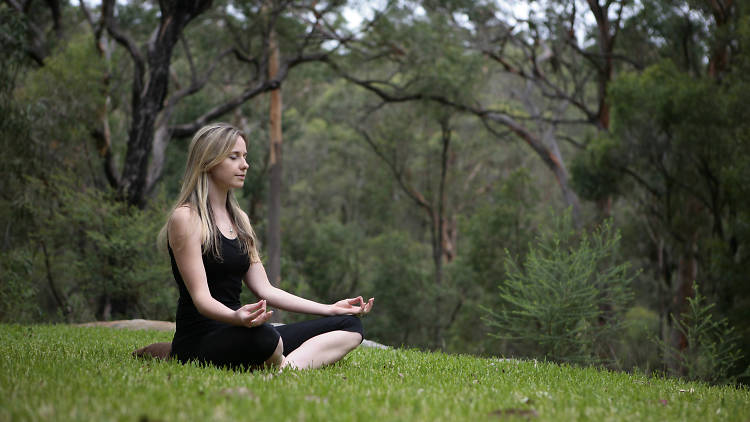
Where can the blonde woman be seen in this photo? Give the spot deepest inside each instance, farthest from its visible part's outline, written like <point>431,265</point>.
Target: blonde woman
<point>212,247</point>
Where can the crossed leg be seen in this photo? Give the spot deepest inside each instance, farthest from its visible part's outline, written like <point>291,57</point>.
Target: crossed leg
<point>319,342</point>
<point>304,345</point>
<point>322,350</point>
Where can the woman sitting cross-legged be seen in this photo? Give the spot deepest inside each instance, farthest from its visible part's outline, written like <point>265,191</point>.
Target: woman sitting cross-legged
<point>212,247</point>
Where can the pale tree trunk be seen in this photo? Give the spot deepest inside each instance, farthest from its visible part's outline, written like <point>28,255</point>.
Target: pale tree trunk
<point>273,247</point>
<point>546,141</point>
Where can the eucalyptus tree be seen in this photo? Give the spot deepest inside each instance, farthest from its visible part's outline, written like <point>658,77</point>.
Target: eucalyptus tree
<point>235,41</point>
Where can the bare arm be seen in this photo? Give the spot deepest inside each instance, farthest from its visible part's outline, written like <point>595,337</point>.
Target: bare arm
<point>257,281</point>
<point>184,239</point>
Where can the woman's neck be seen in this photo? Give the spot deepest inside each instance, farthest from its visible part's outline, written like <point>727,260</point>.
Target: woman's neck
<point>217,198</point>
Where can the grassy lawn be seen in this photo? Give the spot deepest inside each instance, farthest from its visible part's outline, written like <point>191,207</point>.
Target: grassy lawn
<point>73,373</point>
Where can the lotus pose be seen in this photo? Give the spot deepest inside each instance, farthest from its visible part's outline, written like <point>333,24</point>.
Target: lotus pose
<point>212,247</point>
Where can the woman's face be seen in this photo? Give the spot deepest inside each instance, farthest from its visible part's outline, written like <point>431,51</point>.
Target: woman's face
<point>230,173</point>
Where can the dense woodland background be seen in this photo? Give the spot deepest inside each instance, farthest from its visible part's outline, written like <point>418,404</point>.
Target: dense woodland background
<point>548,179</point>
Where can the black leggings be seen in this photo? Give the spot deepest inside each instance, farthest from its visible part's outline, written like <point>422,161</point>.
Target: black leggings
<point>238,347</point>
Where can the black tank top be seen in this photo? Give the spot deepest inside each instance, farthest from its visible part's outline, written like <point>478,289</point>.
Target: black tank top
<point>224,282</point>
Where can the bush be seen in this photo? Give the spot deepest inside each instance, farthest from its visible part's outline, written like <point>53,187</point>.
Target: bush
<point>566,302</point>
<point>87,256</point>
<point>712,353</point>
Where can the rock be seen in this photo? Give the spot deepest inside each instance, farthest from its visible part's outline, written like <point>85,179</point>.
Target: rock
<point>133,324</point>
<point>370,343</point>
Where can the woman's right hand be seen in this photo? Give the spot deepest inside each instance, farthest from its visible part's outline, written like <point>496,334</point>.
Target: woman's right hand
<point>253,314</point>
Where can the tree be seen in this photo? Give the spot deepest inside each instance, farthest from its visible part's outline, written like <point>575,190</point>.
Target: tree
<point>542,53</point>
<point>678,141</point>
<point>153,106</point>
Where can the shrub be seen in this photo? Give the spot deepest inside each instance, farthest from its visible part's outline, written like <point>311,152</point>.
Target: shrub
<point>712,353</point>
<point>566,302</point>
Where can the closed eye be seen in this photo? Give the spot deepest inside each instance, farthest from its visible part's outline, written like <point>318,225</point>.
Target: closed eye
<point>235,156</point>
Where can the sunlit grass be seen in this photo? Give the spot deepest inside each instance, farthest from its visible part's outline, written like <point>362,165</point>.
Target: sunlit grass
<point>74,373</point>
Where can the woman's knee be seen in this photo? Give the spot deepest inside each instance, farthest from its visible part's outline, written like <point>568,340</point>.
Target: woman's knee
<point>353,324</point>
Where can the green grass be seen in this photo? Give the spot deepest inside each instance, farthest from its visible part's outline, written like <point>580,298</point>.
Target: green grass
<point>72,373</point>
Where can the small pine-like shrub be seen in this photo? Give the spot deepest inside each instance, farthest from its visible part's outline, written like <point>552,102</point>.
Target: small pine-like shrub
<point>712,353</point>
<point>566,302</point>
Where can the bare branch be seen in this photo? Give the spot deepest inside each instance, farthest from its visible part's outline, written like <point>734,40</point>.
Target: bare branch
<point>409,190</point>
<point>197,84</point>
<point>572,141</point>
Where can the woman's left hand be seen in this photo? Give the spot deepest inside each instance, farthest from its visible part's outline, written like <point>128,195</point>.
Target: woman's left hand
<point>355,306</point>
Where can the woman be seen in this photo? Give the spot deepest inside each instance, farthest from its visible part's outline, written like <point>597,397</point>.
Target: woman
<point>212,247</point>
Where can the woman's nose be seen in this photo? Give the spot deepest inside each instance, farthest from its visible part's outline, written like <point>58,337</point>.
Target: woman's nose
<point>245,164</point>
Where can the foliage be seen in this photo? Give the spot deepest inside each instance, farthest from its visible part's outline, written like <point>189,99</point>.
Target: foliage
<point>96,255</point>
<point>637,350</point>
<point>15,123</point>
<point>398,274</point>
<point>19,299</point>
<point>567,300</point>
<point>66,373</point>
<point>320,270</point>
<point>594,173</point>
<point>681,141</point>
<point>503,225</point>
<point>711,353</point>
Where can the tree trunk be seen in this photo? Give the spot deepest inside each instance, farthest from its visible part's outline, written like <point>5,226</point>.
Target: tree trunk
<point>274,204</point>
<point>687,273</point>
<point>148,101</point>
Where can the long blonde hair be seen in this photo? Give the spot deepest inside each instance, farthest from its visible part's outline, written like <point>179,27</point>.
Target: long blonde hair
<point>210,146</point>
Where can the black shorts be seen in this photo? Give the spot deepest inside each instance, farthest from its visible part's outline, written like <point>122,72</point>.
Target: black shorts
<point>242,347</point>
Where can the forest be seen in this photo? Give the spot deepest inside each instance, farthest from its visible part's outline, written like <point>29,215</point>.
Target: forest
<point>559,180</point>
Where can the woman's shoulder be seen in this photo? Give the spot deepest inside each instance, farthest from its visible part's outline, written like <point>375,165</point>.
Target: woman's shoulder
<point>184,212</point>
<point>182,220</point>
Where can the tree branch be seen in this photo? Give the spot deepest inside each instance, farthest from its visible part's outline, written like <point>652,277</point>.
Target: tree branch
<point>410,191</point>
